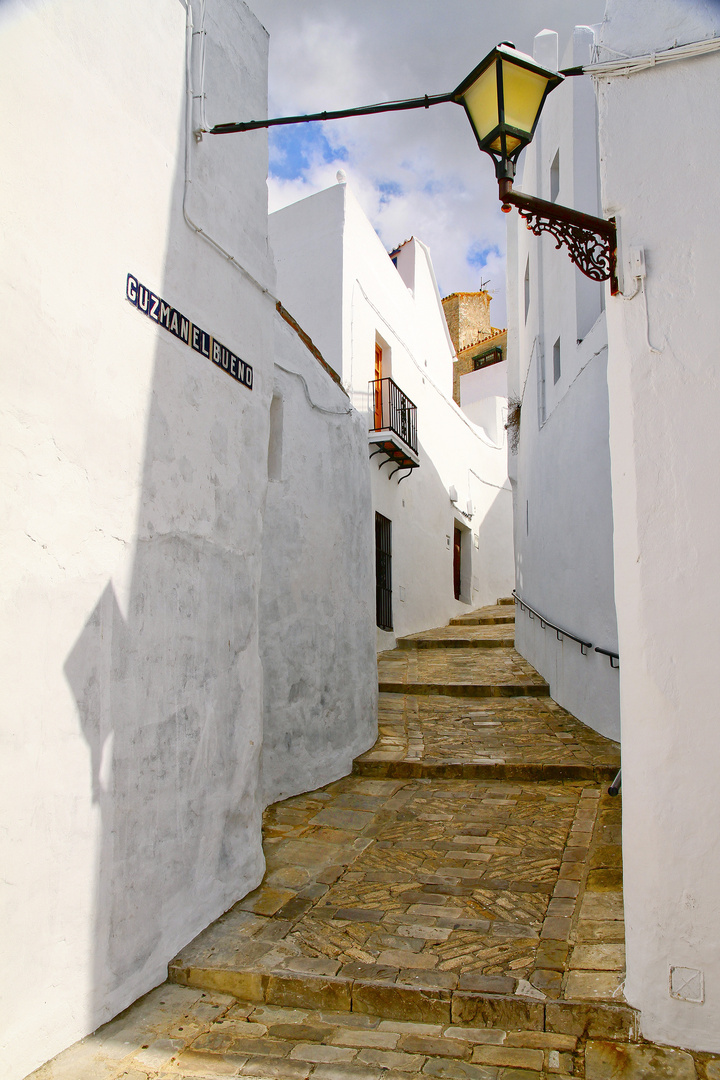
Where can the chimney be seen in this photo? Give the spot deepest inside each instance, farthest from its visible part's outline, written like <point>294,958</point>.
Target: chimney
<point>468,317</point>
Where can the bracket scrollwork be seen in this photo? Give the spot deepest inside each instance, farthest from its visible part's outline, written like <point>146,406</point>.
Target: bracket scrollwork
<point>591,242</point>
<point>592,254</point>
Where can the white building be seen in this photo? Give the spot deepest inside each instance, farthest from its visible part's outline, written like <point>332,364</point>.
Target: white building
<point>441,498</point>
<point>557,348</point>
<point>660,174</point>
<point>160,591</point>
<point>484,391</point>
<point>656,68</point>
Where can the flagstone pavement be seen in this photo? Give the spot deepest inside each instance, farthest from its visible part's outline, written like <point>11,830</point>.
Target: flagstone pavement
<point>451,909</point>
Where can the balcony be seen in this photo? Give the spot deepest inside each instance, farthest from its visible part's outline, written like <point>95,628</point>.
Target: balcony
<point>393,426</point>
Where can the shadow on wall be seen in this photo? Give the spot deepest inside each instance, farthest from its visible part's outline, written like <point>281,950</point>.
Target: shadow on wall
<point>169,700</point>
<point>317,612</point>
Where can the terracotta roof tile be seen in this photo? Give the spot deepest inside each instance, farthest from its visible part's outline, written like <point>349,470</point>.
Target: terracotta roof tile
<point>479,292</point>
<point>400,246</point>
<point>484,340</point>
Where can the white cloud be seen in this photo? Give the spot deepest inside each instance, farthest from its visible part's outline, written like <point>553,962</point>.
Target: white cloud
<point>415,173</point>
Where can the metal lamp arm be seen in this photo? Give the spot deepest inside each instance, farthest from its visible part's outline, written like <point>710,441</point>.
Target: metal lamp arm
<point>591,241</point>
<point>338,114</point>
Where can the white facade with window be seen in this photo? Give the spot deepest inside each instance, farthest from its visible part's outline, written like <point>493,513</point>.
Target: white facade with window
<point>557,355</point>
<point>660,177</point>
<point>617,457</point>
<point>339,282</point>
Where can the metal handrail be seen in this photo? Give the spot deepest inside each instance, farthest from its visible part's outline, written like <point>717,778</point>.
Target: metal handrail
<point>392,410</point>
<point>612,655</point>
<point>584,645</point>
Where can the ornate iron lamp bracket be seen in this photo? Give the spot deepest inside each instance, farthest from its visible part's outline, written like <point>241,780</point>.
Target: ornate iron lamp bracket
<point>591,241</point>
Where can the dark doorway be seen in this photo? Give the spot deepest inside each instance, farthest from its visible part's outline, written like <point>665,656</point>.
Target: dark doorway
<point>457,577</point>
<point>383,572</point>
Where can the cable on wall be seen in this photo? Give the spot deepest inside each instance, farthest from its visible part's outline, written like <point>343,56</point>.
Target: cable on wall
<point>313,405</point>
<point>629,65</point>
<point>190,98</point>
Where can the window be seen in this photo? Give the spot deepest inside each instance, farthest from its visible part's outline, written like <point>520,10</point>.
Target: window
<point>556,361</point>
<point>555,177</point>
<point>383,572</point>
<point>527,287</point>
<point>492,356</point>
<point>276,438</point>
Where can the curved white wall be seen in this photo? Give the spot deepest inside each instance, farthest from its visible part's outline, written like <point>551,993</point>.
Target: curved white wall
<point>563,523</point>
<point>134,516</point>
<point>317,614</point>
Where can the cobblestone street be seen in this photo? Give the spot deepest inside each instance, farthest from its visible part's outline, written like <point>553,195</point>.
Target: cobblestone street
<point>451,909</point>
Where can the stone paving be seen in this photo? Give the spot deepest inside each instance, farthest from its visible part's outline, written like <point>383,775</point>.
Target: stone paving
<point>452,909</point>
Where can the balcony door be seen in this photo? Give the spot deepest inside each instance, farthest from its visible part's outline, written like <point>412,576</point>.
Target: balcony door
<point>378,386</point>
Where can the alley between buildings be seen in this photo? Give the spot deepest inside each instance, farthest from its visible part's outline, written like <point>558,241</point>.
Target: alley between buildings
<point>451,909</point>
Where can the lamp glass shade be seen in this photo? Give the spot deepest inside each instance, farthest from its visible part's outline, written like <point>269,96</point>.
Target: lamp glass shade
<point>481,102</point>
<point>523,95</point>
<point>503,97</point>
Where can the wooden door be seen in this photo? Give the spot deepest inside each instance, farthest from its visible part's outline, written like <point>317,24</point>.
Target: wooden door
<point>457,546</point>
<point>378,387</point>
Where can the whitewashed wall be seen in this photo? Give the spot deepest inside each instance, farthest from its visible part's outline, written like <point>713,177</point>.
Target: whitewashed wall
<point>325,243</point>
<point>317,614</point>
<point>561,474</point>
<point>483,399</point>
<point>134,476</point>
<point>660,176</point>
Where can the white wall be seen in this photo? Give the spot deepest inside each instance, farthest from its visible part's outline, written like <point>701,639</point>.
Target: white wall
<point>561,474</point>
<point>137,516</point>
<point>132,497</point>
<point>325,239</point>
<point>483,399</point>
<point>660,176</point>
<point>317,613</point>
<point>310,271</point>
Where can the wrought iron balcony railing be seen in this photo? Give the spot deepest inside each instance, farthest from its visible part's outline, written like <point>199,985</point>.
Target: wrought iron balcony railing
<point>393,411</point>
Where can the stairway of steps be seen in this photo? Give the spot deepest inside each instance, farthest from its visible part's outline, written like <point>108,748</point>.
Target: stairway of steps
<point>450,881</point>
<point>451,909</point>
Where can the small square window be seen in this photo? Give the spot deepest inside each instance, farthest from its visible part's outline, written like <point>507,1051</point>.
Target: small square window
<point>527,287</point>
<point>556,360</point>
<point>555,177</point>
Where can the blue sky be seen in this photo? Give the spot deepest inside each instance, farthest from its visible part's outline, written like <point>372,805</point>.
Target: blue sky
<point>415,173</point>
<point>293,149</point>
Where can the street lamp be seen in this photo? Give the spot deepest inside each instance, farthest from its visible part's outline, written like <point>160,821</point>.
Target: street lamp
<point>503,98</point>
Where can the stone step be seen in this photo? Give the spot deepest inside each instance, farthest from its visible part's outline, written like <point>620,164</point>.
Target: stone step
<point>483,770</point>
<point>506,600</point>
<point>518,738</point>
<point>466,690</point>
<point>478,619</point>
<point>493,614</point>
<point>175,1033</point>
<point>420,1002</point>
<point>478,637</point>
